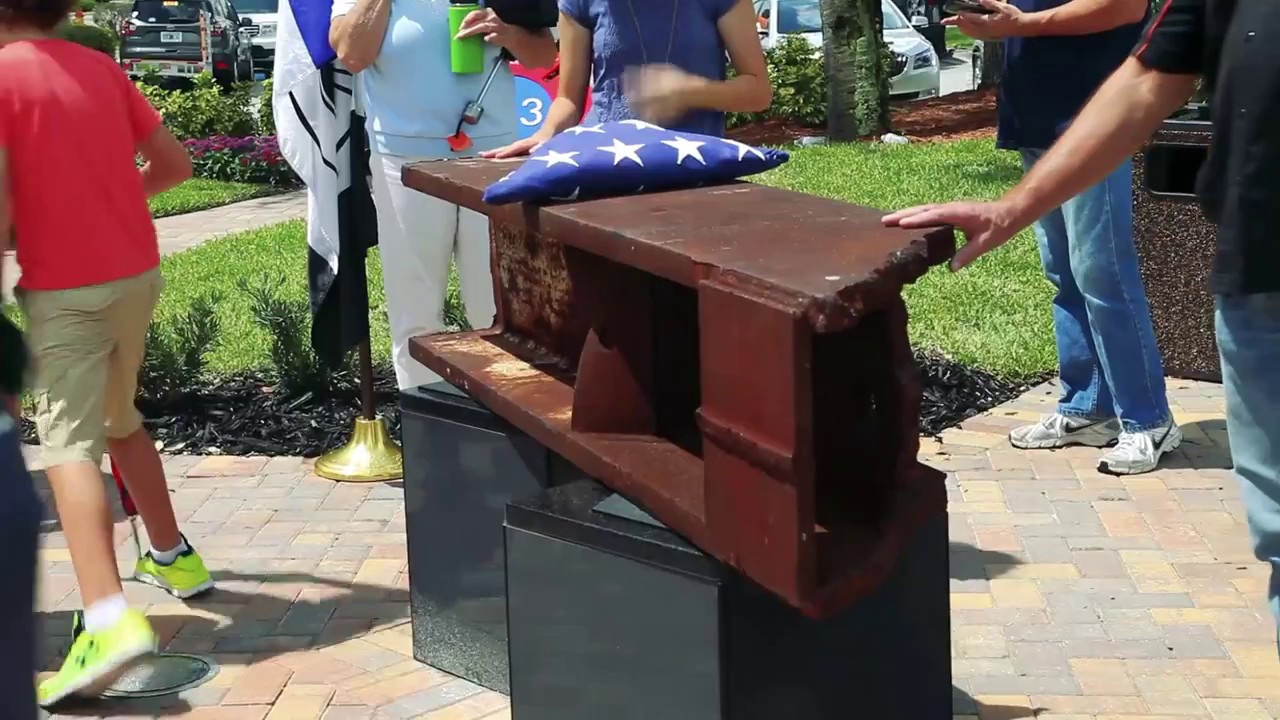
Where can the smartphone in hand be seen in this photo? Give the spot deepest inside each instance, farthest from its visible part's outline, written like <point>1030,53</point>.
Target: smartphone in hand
<point>956,7</point>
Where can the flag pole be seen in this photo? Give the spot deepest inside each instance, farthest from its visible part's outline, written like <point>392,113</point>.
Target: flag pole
<point>371,455</point>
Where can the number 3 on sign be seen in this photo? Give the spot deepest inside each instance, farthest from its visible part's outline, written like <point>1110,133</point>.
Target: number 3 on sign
<point>532,115</point>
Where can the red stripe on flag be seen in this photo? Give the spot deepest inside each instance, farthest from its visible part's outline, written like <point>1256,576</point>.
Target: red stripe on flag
<point>1151,29</point>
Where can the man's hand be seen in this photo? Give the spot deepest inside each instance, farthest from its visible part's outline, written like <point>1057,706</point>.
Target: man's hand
<point>1005,20</point>
<point>986,226</point>
<point>488,25</point>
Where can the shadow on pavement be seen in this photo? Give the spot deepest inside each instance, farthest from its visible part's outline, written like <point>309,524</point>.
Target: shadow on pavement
<point>249,616</point>
<point>962,703</point>
<point>971,563</point>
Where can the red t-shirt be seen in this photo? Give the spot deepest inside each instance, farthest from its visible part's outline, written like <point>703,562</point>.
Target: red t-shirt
<point>70,123</point>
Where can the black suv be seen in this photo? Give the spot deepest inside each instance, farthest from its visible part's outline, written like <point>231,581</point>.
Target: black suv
<point>183,38</point>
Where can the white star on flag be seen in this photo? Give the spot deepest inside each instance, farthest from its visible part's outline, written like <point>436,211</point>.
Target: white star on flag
<point>553,158</point>
<point>743,148</point>
<point>579,129</point>
<point>641,125</point>
<point>622,151</point>
<point>686,148</point>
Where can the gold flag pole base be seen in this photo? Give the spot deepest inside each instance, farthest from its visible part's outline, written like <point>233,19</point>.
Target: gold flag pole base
<point>369,456</point>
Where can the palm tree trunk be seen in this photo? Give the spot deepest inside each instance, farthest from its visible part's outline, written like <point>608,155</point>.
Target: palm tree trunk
<point>857,68</point>
<point>992,64</point>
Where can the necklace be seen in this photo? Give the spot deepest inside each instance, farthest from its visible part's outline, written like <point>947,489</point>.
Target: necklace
<point>671,41</point>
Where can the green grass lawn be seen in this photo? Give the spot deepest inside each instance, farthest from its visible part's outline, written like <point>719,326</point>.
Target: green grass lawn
<point>957,40</point>
<point>198,194</point>
<point>995,314</point>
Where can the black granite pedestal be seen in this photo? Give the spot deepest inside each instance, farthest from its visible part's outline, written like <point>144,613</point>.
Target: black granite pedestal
<point>1176,244</point>
<point>462,465</point>
<point>618,618</point>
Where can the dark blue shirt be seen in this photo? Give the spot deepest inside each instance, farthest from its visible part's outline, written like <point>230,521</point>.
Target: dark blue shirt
<point>1048,80</point>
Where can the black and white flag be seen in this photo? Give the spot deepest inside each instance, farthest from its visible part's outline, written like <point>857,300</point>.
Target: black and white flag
<point>320,128</point>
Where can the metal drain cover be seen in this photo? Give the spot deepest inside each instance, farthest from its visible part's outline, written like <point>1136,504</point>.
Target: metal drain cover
<point>163,674</point>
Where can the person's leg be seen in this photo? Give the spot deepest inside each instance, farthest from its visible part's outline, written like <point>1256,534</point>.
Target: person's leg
<point>19,535</point>
<point>1105,264</point>
<point>1084,414</point>
<point>415,238</point>
<point>475,272</point>
<point>171,564</point>
<point>1248,329</point>
<point>71,343</point>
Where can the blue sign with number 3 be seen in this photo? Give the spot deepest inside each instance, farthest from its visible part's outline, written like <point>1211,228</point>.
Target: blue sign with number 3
<point>532,103</point>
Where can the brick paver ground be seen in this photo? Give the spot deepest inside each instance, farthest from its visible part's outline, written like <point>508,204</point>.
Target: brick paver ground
<point>1075,596</point>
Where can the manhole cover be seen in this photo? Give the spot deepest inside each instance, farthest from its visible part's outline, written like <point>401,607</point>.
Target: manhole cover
<point>163,674</point>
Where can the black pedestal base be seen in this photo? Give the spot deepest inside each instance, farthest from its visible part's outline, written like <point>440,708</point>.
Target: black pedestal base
<point>462,465</point>
<point>618,619</point>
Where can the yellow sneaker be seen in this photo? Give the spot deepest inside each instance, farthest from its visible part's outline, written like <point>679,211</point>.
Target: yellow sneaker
<point>185,578</point>
<point>96,660</point>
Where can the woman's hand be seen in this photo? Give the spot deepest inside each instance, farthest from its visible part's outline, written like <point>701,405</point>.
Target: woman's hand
<point>518,148</point>
<point>488,25</point>
<point>660,93</point>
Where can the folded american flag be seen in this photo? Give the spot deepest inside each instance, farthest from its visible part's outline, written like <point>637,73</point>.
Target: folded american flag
<point>620,158</point>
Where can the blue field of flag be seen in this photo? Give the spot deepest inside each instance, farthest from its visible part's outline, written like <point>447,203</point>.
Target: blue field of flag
<point>631,156</point>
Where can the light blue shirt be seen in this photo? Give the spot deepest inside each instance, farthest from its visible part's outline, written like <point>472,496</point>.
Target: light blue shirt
<point>412,98</point>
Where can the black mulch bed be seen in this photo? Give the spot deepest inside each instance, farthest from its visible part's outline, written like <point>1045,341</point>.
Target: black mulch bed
<point>247,416</point>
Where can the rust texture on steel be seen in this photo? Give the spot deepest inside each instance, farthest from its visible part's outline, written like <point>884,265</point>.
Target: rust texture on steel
<point>733,359</point>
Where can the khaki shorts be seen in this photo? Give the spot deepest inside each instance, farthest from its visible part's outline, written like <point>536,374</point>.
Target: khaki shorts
<point>87,345</point>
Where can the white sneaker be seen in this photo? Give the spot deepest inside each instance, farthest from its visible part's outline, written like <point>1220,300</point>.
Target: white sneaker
<point>1056,431</point>
<point>1140,452</point>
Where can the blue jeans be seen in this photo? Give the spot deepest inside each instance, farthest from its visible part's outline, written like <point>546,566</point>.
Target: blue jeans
<point>1108,361</point>
<point>1249,343</point>
<point>20,513</point>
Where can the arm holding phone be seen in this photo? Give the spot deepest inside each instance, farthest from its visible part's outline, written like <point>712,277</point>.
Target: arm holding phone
<point>1078,17</point>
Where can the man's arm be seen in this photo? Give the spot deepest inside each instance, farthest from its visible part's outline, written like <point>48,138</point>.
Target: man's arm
<point>1120,117</point>
<point>1078,17</point>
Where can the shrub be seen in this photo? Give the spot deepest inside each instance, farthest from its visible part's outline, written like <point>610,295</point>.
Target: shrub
<point>266,111</point>
<point>288,321</point>
<point>204,110</point>
<point>90,36</point>
<point>111,15</point>
<point>176,353</point>
<point>799,85</point>
<point>87,6</point>
<point>248,159</point>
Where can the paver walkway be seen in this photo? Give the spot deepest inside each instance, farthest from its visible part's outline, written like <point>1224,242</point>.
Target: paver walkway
<point>1075,596</point>
<point>183,232</point>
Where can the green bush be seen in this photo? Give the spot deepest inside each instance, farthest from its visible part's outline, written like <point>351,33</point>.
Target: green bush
<point>111,15</point>
<point>287,321</point>
<point>266,116</point>
<point>177,351</point>
<point>204,110</point>
<point>799,85</point>
<point>90,36</point>
<point>87,5</point>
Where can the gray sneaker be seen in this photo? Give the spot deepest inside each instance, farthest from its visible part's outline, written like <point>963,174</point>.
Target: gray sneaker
<point>1056,431</point>
<point>1140,452</point>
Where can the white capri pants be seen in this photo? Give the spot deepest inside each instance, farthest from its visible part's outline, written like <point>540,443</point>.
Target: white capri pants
<point>418,235</point>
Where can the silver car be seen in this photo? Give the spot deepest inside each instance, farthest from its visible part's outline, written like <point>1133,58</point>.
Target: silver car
<point>916,68</point>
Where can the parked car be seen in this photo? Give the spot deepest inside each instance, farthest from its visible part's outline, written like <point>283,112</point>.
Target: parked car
<point>264,18</point>
<point>183,38</point>
<point>915,71</point>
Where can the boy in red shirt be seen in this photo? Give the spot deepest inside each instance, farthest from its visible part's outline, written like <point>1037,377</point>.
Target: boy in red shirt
<point>71,126</point>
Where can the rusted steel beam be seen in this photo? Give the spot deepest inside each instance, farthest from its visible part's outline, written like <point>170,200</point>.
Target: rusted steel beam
<point>733,359</point>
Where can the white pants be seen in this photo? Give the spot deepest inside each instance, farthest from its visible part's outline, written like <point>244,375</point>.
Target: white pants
<point>418,235</point>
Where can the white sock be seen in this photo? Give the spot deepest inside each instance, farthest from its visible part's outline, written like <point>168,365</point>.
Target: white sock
<point>166,557</point>
<point>104,613</point>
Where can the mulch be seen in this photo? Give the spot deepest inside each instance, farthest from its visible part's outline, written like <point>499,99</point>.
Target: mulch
<point>248,415</point>
<point>958,116</point>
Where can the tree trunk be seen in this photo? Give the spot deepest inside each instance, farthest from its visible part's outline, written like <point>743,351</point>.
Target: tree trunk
<point>992,64</point>
<point>857,64</point>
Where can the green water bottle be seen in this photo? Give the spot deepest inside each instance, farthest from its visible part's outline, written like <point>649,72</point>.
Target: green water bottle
<point>466,55</point>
